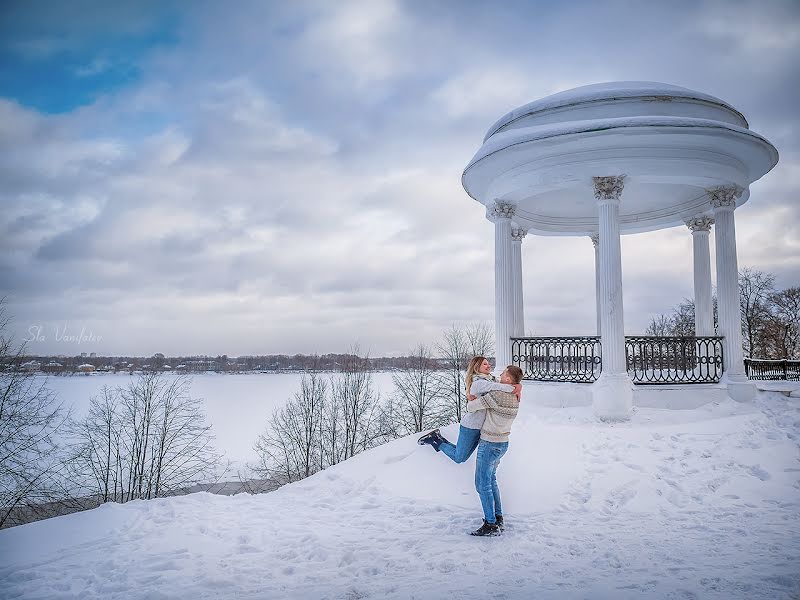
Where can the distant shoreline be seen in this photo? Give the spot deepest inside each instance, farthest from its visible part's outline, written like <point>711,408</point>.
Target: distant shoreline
<point>131,373</point>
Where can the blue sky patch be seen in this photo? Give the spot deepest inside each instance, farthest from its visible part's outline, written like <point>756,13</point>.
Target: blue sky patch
<point>53,69</point>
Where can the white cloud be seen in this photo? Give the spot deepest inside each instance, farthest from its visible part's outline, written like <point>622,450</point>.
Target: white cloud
<point>357,41</point>
<point>752,26</point>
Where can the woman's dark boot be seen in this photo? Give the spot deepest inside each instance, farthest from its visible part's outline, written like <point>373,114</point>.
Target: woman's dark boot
<point>434,438</point>
<point>487,529</point>
<point>499,521</point>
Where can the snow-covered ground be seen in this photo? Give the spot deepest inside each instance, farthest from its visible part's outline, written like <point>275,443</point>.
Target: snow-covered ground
<point>701,503</point>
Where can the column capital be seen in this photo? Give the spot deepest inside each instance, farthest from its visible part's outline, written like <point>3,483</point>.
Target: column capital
<point>595,237</point>
<point>608,188</point>
<point>701,224</point>
<point>724,196</point>
<point>517,233</point>
<point>500,210</point>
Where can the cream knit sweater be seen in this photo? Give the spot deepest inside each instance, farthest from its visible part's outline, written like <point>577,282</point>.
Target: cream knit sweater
<point>482,384</point>
<point>501,410</point>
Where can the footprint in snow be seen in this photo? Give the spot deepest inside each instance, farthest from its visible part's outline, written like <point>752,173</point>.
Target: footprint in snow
<point>620,496</point>
<point>395,459</point>
<point>757,471</point>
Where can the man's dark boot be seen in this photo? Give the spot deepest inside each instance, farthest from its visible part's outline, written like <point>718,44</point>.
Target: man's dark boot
<point>499,521</point>
<point>487,529</point>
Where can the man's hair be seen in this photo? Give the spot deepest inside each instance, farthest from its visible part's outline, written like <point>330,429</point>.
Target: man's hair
<point>515,373</point>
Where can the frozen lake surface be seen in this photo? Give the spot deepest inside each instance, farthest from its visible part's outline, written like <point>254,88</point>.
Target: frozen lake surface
<point>237,405</point>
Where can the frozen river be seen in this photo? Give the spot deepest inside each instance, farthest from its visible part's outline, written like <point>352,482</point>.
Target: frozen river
<point>237,406</point>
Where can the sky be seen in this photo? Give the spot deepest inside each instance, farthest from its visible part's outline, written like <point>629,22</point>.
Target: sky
<point>283,177</point>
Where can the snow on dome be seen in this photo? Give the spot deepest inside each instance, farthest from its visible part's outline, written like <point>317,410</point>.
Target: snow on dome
<point>611,91</point>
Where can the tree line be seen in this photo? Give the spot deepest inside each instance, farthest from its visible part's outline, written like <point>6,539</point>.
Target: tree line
<point>770,317</point>
<point>266,363</point>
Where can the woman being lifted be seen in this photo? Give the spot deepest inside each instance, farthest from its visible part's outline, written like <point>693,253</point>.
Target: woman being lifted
<point>479,381</point>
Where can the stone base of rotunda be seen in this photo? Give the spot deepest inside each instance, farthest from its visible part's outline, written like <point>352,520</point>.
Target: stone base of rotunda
<point>673,397</point>
<point>612,397</point>
<point>740,388</point>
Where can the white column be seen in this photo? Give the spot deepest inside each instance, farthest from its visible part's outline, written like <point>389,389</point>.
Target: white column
<point>500,214</point>
<point>723,201</point>
<point>703,306</point>
<point>517,234</point>
<point>612,393</point>
<point>595,237</point>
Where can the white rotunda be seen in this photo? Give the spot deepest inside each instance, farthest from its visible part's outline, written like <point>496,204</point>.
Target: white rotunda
<point>604,160</point>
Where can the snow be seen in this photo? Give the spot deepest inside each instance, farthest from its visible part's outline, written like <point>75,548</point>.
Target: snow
<point>700,503</point>
<point>512,137</point>
<point>605,91</point>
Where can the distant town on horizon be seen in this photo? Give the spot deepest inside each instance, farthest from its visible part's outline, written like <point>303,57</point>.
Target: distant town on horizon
<point>87,363</point>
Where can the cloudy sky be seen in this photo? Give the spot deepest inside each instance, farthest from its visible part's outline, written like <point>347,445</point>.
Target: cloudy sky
<point>285,176</point>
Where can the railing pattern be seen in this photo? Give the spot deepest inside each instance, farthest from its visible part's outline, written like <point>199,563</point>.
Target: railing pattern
<point>650,360</point>
<point>656,359</point>
<point>761,369</point>
<point>575,359</point>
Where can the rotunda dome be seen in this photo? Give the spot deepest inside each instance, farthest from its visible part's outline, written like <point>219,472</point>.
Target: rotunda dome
<point>671,143</point>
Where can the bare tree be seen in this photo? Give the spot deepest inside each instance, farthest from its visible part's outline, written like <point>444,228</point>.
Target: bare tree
<point>332,442</point>
<point>98,453</point>
<point>480,339</point>
<point>683,319</point>
<point>755,289</point>
<point>786,323</point>
<point>291,448</point>
<point>353,392</point>
<point>770,318</point>
<point>388,425</point>
<point>659,326</point>
<point>30,420</point>
<point>419,393</point>
<point>454,349</point>
<point>679,323</point>
<point>182,452</point>
<point>145,441</point>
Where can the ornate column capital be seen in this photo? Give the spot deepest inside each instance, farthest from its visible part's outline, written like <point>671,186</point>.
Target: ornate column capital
<point>608,188</point>
<point>702,223</point>
<point>517,233</point>
<point>500,210</point>
<point>724,196</point>
<point>595,237</point>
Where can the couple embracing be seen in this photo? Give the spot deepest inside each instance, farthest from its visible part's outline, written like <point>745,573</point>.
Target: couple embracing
<point>491,409</point>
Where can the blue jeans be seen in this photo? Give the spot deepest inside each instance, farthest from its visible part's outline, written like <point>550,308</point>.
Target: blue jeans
<point>489,455</point>
<point>467,442</point>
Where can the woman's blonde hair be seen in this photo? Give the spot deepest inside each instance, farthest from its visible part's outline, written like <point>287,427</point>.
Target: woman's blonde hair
<point>471,368</point>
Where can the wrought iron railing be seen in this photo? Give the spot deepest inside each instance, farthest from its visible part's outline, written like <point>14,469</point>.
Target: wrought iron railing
<point>762,369</point>
<point>576,359</point>
<point>650,360</point>
<point>656,359</point>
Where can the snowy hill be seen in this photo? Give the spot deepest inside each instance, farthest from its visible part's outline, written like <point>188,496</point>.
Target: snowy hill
<point>701,503</point>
